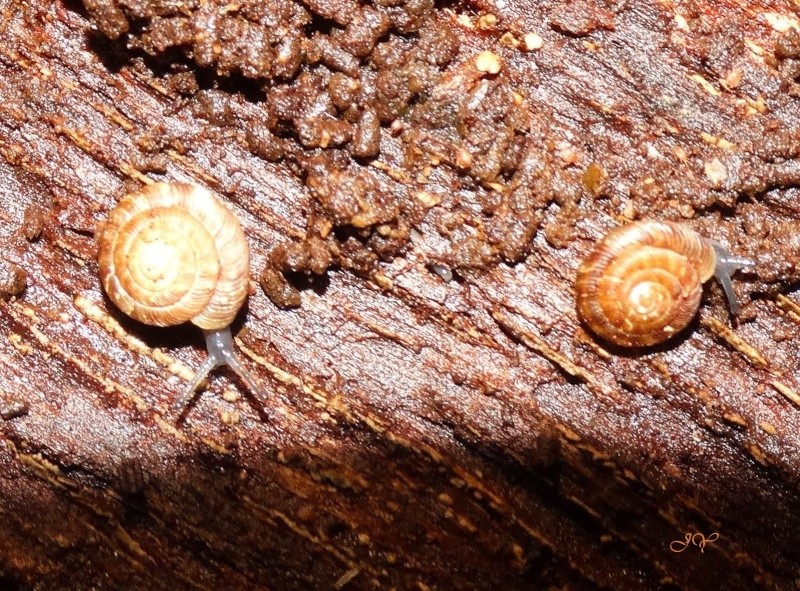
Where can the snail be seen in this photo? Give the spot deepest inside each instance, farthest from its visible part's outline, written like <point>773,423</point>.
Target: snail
<point>643,283</point>
<point>171,253</point>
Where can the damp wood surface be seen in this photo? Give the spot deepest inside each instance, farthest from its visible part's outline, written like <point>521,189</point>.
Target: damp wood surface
<point>418,184</point>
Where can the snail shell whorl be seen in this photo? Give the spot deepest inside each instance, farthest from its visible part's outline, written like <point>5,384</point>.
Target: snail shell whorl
<point>172,253</point>
<point>643,282</point>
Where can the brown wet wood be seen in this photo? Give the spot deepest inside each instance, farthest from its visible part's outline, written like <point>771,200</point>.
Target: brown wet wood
<point>422,434</point>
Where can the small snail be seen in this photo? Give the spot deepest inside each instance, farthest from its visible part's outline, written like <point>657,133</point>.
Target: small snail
<point>172,253</point>
<point>643,283</point>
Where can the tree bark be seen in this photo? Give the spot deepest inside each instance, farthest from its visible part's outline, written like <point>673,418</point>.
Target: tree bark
<point>438,416</point>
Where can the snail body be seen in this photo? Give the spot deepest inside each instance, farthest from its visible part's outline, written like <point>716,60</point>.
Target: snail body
<point>172,253</point>
<point>643,282</point>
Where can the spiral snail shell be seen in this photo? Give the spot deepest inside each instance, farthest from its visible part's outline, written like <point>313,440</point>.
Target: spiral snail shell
<point>171,253</point>
<point>643,282</point>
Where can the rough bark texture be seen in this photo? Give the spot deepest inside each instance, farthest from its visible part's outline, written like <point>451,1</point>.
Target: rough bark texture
<point>439,418</point>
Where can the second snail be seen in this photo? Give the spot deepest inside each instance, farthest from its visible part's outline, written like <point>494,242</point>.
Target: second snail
<point>172,253</point>
<point>642,284</point>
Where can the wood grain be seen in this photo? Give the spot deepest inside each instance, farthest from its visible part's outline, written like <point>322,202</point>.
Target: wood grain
<point>422,434</point>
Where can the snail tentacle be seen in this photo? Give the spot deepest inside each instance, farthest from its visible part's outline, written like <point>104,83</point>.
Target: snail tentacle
<point>186,396</point>
<point>727,265</point>
<point>220,347</point>
<point>219,343</point>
